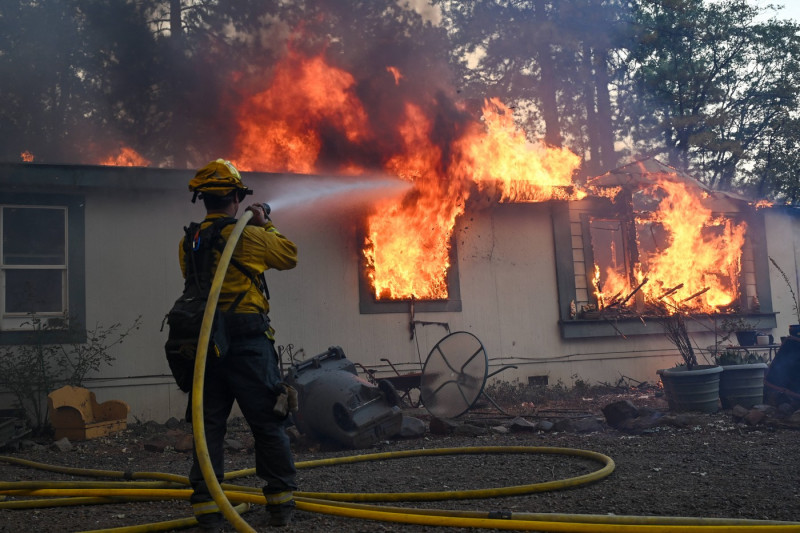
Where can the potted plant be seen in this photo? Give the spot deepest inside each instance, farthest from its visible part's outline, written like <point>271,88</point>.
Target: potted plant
<point>745,332</point>
<point>742,378</point>
<point>690,386</point>
<point>794,329</point>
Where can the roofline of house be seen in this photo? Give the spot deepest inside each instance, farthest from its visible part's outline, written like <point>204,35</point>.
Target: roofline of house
<point>32,176</point>
<point>28,176</point>
<point>17,176</point>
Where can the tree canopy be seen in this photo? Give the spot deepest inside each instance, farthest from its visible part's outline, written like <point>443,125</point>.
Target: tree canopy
<point>709,87</point>
<point>714,84</point>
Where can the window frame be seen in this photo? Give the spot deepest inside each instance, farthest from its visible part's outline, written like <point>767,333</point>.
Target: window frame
<point>574,260</point>
<point>75,284</point>
<point>369,305</point>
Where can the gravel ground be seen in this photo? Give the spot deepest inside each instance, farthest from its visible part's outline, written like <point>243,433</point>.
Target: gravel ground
<point>703,466</point>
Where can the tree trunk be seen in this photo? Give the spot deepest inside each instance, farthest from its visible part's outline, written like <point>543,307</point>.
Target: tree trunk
<point>552,135</point>
<point>544,56</point>
<point>608,155</point>
<point>594,164</point>
<point>176,40</point>
<point>175,25</point>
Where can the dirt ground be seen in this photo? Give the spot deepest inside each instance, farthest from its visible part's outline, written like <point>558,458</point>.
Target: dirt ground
<point>694,466</point>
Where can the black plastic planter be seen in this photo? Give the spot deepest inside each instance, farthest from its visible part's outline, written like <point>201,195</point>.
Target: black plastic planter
<point>692,390</point>
<point>742,385</point>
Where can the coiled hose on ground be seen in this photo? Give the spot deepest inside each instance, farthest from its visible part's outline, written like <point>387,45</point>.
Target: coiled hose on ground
<point>161,486</point>
<point>155,486</point>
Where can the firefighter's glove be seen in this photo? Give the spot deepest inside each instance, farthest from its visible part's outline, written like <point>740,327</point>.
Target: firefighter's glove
<point>286,401</point>
<point>293,403</point>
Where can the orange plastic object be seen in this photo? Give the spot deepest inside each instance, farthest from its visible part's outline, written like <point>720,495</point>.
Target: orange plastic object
<point>75,414</point>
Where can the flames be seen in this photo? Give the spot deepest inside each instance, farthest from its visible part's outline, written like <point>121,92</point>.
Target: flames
<point>407,249</point>
<point>396,74</point>
<point>310,119</point>
<point>126,157</point>
<point>282,129</point>
<point>688,256</point>
<point>500,159</point>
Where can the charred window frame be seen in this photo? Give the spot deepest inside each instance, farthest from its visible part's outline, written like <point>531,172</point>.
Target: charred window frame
<point>575,260</point>
<point>52,264</point>
<point>369,304</point>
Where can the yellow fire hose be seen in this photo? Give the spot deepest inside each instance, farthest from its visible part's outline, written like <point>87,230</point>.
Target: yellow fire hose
<point>163,486</point>
<point>108,492</point>
<point>198,424</point>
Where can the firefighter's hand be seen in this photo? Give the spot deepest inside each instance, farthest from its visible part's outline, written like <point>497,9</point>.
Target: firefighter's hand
<point>259,215</point>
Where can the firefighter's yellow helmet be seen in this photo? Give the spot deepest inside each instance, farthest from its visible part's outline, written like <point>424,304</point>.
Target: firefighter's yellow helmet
<point>218,178</point>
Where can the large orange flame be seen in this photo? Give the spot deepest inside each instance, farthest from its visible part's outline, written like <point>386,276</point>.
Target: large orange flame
<point>289,126</point>
<point>407,248</point>
<point>280,128</point>
<point>693,250</point>
<point>501,158</point>
<point>408,243</point>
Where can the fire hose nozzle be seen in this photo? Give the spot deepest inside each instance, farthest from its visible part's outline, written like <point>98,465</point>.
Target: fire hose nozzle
<point>267,209</point>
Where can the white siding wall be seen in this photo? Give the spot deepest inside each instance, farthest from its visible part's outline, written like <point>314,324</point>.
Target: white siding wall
<point>783,236</point>
<point>507,281</point>
<point>131,270</point>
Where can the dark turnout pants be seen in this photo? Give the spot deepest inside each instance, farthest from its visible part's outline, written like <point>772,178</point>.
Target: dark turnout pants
<point>247,374</point>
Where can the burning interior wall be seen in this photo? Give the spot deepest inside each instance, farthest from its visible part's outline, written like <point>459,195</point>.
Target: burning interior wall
<point>607,272</point>
<point>664,245</point>
<point>656,237</point>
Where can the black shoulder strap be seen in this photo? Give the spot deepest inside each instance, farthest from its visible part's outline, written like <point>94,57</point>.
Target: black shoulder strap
<point>198,260</point>
<point>198,246</point>
<point>212,237</point>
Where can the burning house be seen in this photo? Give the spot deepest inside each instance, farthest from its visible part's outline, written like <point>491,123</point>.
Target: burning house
<point>412,220</point>
<point>554,287</point>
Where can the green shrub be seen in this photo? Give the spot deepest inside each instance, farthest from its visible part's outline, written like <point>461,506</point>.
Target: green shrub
<point>32,371</point>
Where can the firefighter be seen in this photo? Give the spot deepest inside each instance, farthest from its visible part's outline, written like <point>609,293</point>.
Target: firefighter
<point>249,371</point>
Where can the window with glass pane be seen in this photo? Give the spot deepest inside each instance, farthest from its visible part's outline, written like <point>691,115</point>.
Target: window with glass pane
<point>34,260</point>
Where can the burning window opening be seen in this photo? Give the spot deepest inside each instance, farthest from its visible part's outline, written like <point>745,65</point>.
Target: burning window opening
<point>662,249</point>
<point>369,303</point>
<point>407,248</point>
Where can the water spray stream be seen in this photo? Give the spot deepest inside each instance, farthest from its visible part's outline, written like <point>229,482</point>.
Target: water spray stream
<point>306,192</point>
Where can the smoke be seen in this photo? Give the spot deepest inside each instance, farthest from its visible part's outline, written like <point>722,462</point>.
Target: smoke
<point>174,96</point>
<point>329,106</point>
